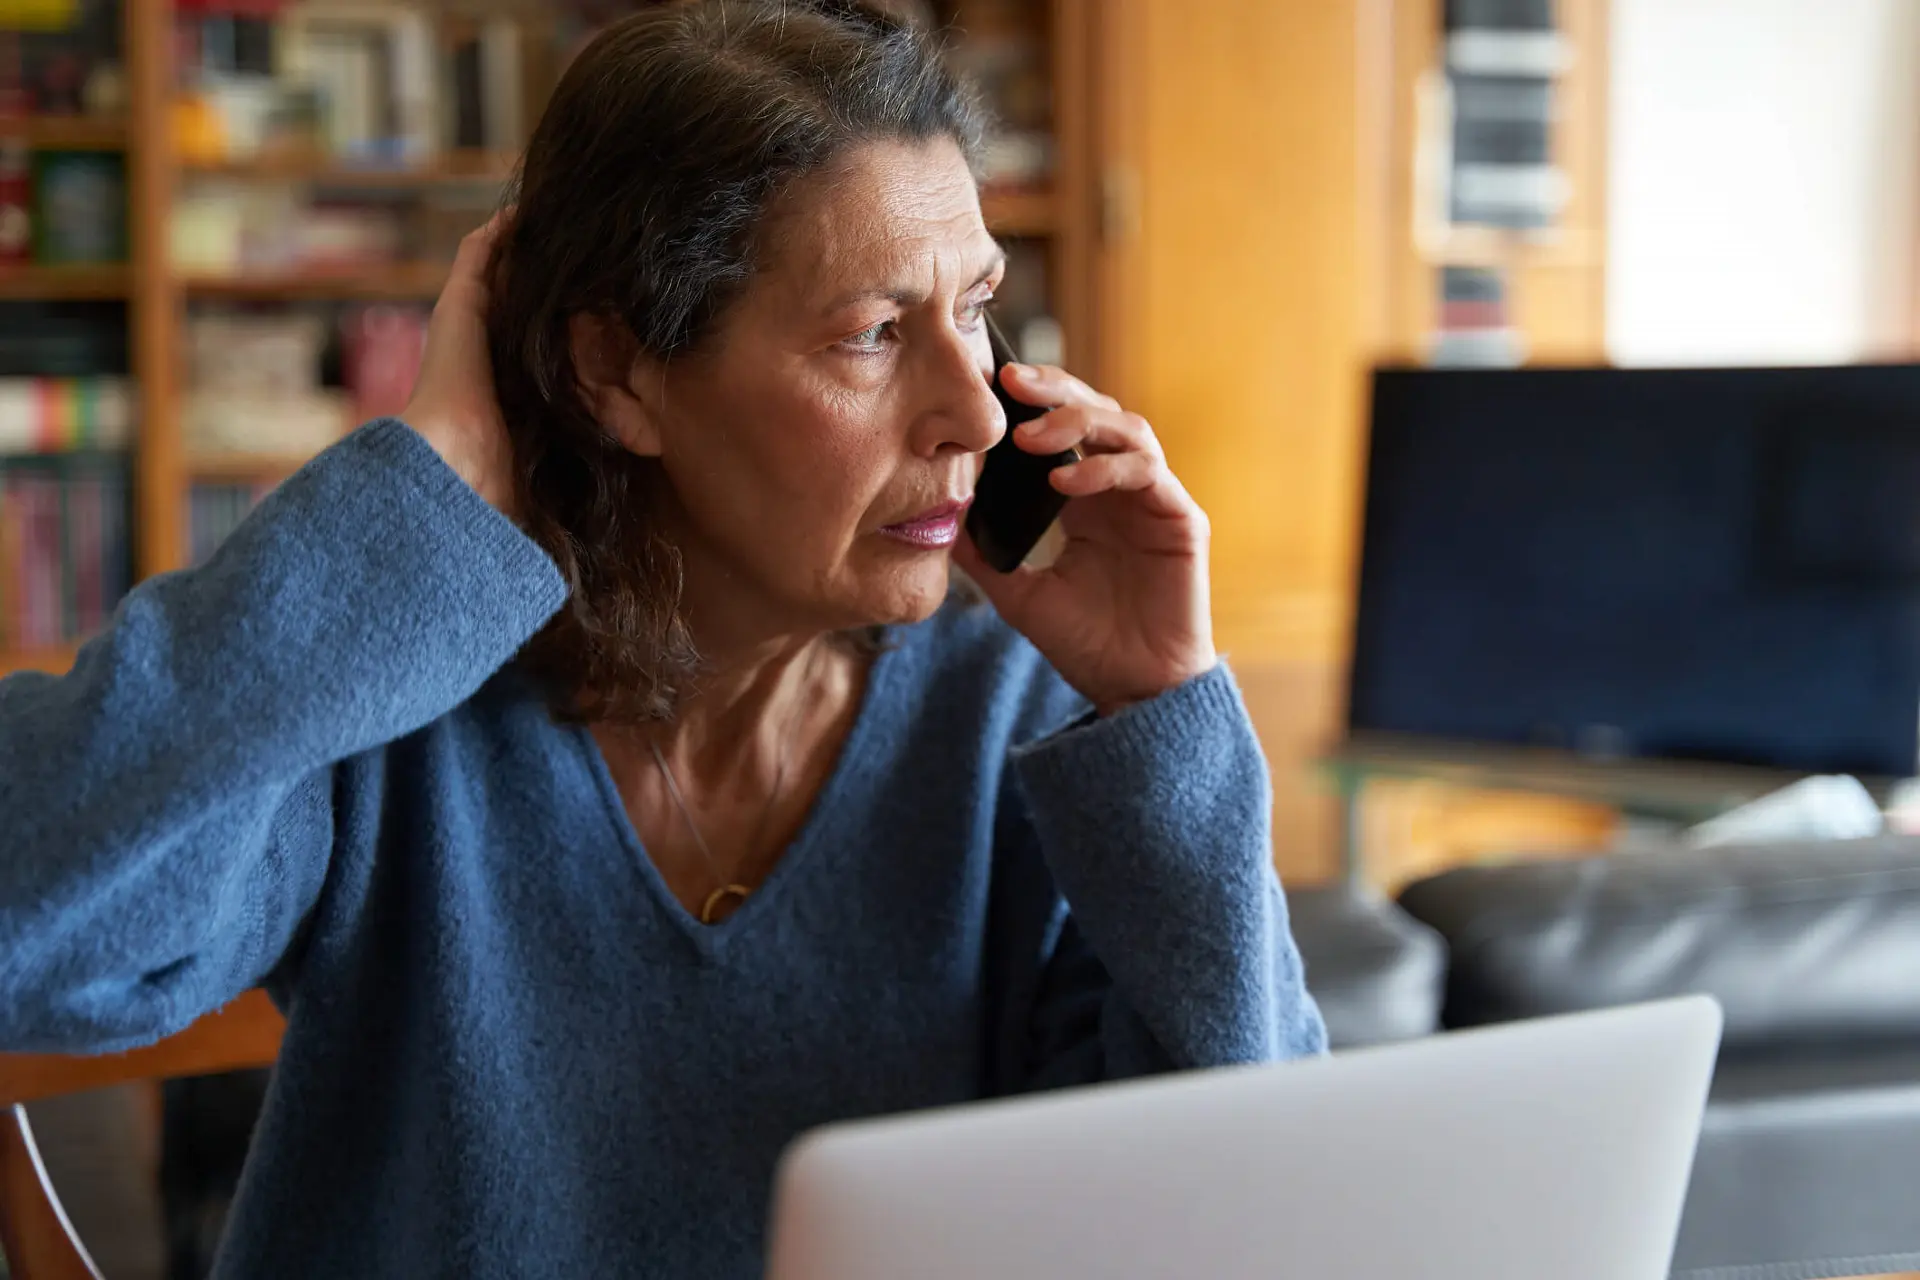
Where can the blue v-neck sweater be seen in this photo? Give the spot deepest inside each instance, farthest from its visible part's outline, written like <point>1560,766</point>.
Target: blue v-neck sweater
<point>510,1052</point>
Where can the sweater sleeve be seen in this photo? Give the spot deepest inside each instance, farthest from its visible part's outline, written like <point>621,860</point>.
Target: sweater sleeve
<point>1156,825</point>
<point>168,803</point>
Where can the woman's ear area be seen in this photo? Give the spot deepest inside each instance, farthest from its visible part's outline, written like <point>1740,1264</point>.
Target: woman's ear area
<point>607,365</point>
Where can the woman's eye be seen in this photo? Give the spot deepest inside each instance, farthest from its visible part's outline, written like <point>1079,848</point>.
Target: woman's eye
<point>870,339</point>
<point>973,311</point>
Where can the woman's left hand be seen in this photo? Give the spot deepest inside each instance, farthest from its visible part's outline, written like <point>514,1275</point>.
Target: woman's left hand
<point>1123,613</point>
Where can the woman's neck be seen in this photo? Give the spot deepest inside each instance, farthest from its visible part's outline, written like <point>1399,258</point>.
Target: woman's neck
<point>746,702</point>
<point>758,664</point>
<point>766,676</point>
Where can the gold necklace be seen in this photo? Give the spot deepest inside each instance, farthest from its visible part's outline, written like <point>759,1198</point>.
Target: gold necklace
<point>730,890</point>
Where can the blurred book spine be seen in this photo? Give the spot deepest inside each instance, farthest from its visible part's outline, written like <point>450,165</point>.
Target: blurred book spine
<point>1004,53</point>
<point>64,559</point>
<point>64,415</point>
<point>229,8</point>
<point>1502,58</point>
<point>80,207</point>
<point>482,83</point>
<point>375,84</point>
<point>380,353</point>
<point>61,57</point>
<point>37,15</point>
<point>502,89</point>
<point>214,511</point>
<point>62,339</point>
<point>1476,329</point>
<point>16,202</point>
<point>254,386</point>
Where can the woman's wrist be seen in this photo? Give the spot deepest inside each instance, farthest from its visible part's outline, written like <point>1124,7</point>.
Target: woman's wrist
<point>461,452</point>
<point>1108,707</point>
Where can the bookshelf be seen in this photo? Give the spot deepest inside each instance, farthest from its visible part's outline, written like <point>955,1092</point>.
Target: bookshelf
<point>55,659</point>
<point>1555,277</point>
<point>66,133</point>
<point>457,167</point>
<point>395,282</point>
<point>167,164</point>
<point>32,281</point>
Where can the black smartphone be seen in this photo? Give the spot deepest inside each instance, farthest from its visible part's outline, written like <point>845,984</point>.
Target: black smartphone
<point>1013,504</point>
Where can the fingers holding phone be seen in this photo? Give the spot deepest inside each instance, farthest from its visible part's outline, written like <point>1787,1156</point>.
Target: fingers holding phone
<point>1123,613</point>
<point>1013,501</point>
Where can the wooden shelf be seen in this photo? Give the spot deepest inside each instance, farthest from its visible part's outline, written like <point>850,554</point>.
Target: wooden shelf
<point>67,133</point>
<point>61,283</point>
<point>1485,247</point>
<point>243,468</point>
<point>1020,213</point>
<point>55,660</point>
<point>399,282</point>
<point>453,169</point>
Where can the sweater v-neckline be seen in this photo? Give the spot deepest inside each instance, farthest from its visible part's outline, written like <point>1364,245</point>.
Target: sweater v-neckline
<point>711,940</point>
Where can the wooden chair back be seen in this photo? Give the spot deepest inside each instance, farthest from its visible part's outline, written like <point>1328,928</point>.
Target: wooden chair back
<point>35,1232</point>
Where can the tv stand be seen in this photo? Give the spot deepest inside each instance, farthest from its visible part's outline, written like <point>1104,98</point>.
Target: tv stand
<point>1681,791</point>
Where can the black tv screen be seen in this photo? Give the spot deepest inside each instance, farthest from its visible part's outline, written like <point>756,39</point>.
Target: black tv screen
<point>1707,564</point>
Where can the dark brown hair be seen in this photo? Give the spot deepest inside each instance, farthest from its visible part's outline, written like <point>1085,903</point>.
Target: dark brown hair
<point>641,199</point>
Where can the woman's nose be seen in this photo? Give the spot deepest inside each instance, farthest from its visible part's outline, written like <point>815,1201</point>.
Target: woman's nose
<point>968,416</point>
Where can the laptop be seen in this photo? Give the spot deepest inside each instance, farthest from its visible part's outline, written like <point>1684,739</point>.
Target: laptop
<point>1558,1147</point>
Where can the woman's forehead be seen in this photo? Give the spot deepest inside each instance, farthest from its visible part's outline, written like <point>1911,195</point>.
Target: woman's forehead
<point>892,215</point>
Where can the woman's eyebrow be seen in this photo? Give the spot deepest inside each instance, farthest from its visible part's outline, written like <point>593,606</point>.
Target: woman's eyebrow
<point>908,295</point>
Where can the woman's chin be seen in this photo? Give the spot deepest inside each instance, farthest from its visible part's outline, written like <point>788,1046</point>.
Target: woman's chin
<point>908,596</point>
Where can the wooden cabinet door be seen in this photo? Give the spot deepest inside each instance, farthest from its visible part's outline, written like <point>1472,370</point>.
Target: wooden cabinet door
<point>1228,286</point>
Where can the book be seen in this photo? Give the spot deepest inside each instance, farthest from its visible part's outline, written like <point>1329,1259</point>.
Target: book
<point>1475,329</point>
<point>1502,57</point>
<point>231,8</point>
<point>343,64</point>
<point>403,82</point>
<point>413,99</point>
<point>16,201</point>
<point>464,112</point>
<point>502,84</point>
<point>1499,15</point>
<point>62,339</point>
<point>38,15</point>
<point>62,415</point>
<point>226,44</point>
<point>483,84</point>
<point>80,207</point>
<point>1502,121</point>
<point>60,57</point>
<point>380,352</point>
<point>64,558</point>
<point>44,572</point>
<point>214,511</point>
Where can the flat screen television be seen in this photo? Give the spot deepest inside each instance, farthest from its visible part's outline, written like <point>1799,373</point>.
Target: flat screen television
<point>1699,564</point>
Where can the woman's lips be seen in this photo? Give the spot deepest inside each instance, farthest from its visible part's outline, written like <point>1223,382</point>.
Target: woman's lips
<point>935,528</point>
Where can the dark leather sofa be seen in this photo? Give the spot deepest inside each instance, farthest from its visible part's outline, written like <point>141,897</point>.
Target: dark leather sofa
<point>1809,1163</point>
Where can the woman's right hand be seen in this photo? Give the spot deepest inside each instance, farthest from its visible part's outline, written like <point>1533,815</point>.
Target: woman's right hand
<point>453,405</point>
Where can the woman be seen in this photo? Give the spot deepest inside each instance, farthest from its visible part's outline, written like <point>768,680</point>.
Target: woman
<point>594,764</point>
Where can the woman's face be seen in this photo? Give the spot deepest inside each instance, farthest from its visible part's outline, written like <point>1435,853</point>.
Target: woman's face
<point>820,451</point>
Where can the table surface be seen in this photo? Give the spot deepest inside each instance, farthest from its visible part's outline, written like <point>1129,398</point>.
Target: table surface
<point>1681,790</point>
